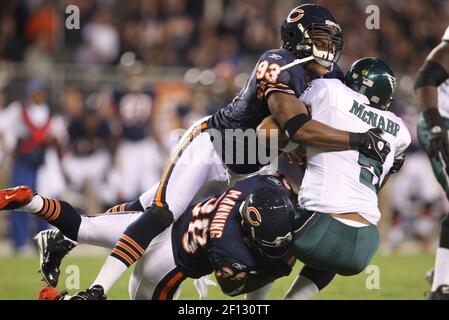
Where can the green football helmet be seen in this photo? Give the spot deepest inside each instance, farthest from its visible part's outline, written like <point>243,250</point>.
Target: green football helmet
<point>374,79</point>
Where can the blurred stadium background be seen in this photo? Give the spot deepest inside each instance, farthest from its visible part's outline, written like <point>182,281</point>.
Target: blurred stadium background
<point>154,66</point>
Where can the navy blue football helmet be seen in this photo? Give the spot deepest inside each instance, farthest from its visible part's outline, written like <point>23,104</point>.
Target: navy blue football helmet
<point>310,30</point>
<point>268,222</point>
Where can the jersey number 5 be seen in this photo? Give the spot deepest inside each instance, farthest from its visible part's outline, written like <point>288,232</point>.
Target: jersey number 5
<point>370,172</point>
<point>268,71</point>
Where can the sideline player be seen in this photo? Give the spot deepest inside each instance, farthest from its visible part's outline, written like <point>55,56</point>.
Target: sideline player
<point>133,105</point>
<point>432,93</point>
<point>241,235</point>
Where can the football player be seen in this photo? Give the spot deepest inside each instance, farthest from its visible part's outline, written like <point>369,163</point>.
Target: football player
<point>338,195</point>
<point>432,92</point>
<point>242,235</point>
<point>311,44</point>
<point>133,105</point>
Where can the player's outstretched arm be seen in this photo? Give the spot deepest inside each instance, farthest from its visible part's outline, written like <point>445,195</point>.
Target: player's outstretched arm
<point>286,107</point>
<point>292,115</point>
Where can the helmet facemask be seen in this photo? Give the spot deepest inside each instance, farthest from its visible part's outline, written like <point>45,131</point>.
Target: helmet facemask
<point>324,42</point>
<point>274,249</point>
<point>271,249</point>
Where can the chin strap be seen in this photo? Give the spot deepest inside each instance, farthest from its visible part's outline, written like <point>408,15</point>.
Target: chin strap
<point>304,60</point>
<point>297,61</point>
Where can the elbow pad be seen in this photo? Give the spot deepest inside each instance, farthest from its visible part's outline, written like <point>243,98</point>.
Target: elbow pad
<point>294,124</point>
<point>431,74</point>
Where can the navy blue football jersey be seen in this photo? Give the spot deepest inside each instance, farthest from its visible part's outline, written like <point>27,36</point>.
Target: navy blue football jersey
<point>250,106</point>
<point>134,111</point>
<point>211,230</point>
<point>86,140</point>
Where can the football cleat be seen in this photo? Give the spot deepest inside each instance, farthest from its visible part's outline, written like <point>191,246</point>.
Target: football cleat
<point>14,198</point>
<point>50,293</point>
<point>94,293</point>
<point>442,293</point>
<point>53,247</point>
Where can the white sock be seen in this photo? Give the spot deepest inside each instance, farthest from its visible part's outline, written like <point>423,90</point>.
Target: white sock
<point>34,206</point>
<point>260,294</point>
<point>106,230</point>
<point>301,289</point>
<point>111,271</point>
<point>441,275</point>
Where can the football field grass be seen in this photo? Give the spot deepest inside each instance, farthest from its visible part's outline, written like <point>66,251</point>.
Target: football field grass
<point>389,277</point>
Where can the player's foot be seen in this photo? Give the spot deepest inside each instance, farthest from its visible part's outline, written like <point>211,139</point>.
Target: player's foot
<point>442,293</point>
<point>50,293</point>
<point>94,293</point>
<point>53,247</point>
<point>14,198</point>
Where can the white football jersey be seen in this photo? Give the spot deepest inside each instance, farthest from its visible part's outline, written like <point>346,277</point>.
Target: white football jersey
<point>347,181</point>
<point>443,89</point>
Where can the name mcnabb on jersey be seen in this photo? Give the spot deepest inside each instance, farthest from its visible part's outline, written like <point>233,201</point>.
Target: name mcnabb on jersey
<point>374,119</point>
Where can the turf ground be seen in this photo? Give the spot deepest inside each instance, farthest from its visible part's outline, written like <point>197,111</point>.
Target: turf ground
<point>400,277</point>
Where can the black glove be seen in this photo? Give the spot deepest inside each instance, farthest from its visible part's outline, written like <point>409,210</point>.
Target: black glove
<point>438,138</point>
<point>370,143</point>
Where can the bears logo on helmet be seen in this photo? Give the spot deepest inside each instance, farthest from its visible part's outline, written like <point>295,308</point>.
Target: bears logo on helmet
<point>310,30</point>
<point>268,222</point>
<point>253,216</point>
<point>295,15</point>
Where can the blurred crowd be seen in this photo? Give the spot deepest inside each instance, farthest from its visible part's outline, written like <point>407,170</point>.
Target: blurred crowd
<point>110,140</point>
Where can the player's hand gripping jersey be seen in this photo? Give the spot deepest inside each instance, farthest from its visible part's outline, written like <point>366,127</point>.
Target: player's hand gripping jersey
<point>348,181</point>
<point>275,71</point>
